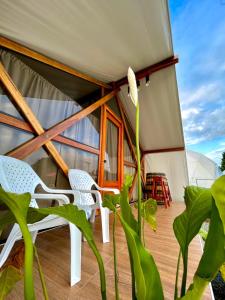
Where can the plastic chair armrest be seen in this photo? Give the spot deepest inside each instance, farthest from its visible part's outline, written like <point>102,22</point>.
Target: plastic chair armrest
<point>62,199</point>
<point>115,191</point>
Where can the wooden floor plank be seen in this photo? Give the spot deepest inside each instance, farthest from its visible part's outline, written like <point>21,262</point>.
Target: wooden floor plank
<point>54,253</point>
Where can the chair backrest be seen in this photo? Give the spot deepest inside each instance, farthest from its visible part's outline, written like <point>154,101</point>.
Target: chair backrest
<point>17,176</point>
<point>81,180</point>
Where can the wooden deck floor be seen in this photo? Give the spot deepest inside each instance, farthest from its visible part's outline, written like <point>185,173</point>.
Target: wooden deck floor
<point>53,248</point>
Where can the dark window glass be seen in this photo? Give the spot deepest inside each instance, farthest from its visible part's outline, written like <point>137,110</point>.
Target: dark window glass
<point>86,131</point>
<point>111,155</point>
<point>127,152</point>
<point>11,138</point>
<point>114,107</point>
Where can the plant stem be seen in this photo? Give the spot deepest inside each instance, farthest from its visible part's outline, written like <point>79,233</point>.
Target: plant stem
<point>177,275</point>
<point>28,263</point>
<point>184,278</point>
<point>143,230</point>
<point>115,258</point>
<point>41,274</point>
<point>101,267</point>
<point>139,172</point>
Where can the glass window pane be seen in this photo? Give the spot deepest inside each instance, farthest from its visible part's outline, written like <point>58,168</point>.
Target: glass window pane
<point>11,138</point>
<point>127,152</point>
<point>114,107</point>
<point>6,106</point>
<point>86,131</point>
<point>53,95</point>
<point>111,155</point>
<point>44,166</point>
<point>79,159</point>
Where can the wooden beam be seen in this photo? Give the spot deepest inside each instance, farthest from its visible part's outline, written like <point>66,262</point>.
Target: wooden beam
<point>164,150</point>
<point>150,70</point>
<point>49,134</point>
<point>133,184</point>
<point>33,121</point>
<point>126,128</point>
<point>129,164</point>
<point>7,43</point>
<point>19,124</point>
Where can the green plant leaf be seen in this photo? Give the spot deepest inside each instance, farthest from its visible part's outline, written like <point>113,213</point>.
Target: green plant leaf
<point>147,279</point>
<point>203,233</point>
<point>218,192</point>
<point>8,278</point>
<point>222,271</point>
<point>111,201</point>
<point>149,212</point>
<point>125,207</point>
<point>18,205</point>
<point>187,225</point>
<point>196,289</point>
<point>212,259</point>
<point>71,213</point>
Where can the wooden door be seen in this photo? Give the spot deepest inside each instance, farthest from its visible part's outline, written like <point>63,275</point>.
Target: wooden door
<point>111,157</point>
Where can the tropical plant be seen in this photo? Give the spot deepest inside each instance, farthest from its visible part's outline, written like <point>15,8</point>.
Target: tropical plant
<point>222,164</point>
<point>201,204</point>
<point>20,212</point>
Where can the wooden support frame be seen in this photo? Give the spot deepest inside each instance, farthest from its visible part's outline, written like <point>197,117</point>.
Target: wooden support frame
<point>129,164</point>
<point>135,178</point>
<point>19,124</point>
<point>49,134</point>
<point>9,44</point>
<point>150,70</point>
<point>34,123</point>
<point>164,150</point>
<point>126,128</point>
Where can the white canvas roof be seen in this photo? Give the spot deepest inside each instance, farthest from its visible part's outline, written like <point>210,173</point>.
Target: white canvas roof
<point>102,38</point>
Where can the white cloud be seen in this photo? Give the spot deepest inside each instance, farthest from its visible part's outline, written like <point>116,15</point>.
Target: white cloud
<point>186,113</point>
<point>205,125</point>
<point>205,92</point>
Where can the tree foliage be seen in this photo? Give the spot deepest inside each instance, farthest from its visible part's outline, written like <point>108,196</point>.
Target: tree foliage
<point>222,166</point>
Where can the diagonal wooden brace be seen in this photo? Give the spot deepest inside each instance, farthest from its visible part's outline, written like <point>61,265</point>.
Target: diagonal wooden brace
<point>35,124</point>
<point>44,137</point>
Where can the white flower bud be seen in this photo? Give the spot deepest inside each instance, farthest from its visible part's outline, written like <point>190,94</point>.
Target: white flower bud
<point>133,86</point>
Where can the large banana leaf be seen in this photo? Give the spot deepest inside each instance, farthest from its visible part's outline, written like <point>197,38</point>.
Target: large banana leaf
<point>125,207</point>
<point>145,280</point>
<point>8,278</point>
<point>212,259</point>
<point>18,205</point>
<point>187,225</point>
<point>218,192</point>
<point>71,213</point>
<point>148,283</point>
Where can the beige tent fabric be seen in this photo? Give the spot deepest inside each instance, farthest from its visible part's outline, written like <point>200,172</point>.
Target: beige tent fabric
<point>103,38</point>
<point>100,38</point>
<point>160,121</point>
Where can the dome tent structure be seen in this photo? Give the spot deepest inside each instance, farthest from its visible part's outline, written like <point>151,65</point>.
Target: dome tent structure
<point>202,171</point>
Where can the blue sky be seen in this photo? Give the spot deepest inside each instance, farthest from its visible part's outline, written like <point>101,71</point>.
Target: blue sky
<point>198,28</point>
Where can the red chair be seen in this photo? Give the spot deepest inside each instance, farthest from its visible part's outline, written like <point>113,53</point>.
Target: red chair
<point>157,188</point>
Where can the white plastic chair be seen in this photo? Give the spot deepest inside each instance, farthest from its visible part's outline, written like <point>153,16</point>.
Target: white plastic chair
<point>84,186</point>
<point>18,177</point>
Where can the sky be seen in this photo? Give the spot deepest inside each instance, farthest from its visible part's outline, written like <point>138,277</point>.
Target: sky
<point>198,28</point>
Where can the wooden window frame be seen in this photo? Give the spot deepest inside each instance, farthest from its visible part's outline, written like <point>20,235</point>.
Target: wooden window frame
<point>107,113</point>
<point>45,137</point>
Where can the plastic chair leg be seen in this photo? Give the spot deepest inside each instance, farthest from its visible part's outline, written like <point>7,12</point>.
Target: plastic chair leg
<point>14,235</point>
<point>92,218</point>
<point>105,224</point>
<point>75,241</point>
